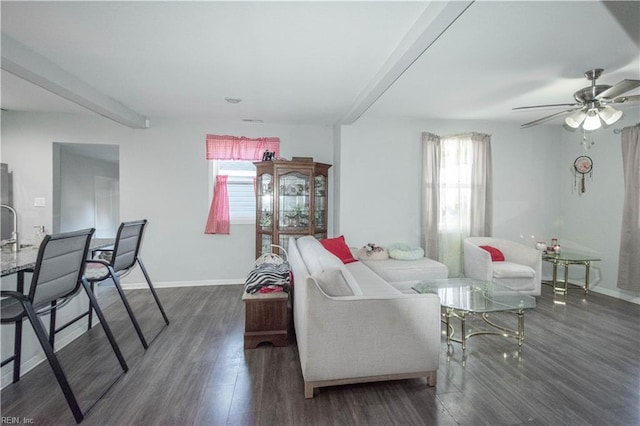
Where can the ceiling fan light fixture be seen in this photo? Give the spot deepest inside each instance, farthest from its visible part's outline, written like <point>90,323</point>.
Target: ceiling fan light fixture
<point>592,122</point>
<point>591,108</point>
<point>609,115</point>
<point>575,120</point>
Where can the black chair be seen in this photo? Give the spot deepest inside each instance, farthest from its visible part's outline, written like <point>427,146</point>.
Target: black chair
<point>119,261</point>
<point>57,277</point>
<point>11,309</point>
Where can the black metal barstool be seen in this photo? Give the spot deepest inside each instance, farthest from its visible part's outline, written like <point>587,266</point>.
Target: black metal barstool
<point>12,312</point>
<point>121,260</point>
<point>56,279</point>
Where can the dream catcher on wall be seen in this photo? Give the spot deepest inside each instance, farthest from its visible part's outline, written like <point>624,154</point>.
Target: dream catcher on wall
<point>582,167</point>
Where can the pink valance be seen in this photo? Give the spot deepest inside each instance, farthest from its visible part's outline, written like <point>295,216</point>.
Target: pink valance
<point>223,147</point>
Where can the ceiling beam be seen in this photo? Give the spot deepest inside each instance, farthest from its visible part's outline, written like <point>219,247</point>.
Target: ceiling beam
<point>23,62</point>
<point>434,21</point>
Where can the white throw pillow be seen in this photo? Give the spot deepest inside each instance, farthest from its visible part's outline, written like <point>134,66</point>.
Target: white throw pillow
<point>405,252</point>
<point>332,282</point>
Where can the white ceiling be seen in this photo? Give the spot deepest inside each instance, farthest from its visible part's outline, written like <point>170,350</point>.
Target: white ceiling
<point>313,62</point>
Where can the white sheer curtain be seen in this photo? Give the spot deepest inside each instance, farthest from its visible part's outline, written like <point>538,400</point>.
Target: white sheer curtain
<point>629,263</point>
<point>481,214</point>
<point>460,194</point>
<point>430,194</point>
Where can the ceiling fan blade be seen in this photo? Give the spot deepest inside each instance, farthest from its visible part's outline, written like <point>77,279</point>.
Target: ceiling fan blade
<point>621,99</point>
<point>549,117</point>
<point>547,106</point>
<point>620,88</point>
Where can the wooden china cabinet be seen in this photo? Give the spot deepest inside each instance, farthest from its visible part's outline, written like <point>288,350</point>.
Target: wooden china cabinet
<point>291,201</point>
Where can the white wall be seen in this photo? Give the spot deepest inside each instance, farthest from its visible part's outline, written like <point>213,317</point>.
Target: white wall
<point>381,169</point>
<point>164,177</point>
<point>592,221</point>
<point>533,197</point>
<point>77,191</point>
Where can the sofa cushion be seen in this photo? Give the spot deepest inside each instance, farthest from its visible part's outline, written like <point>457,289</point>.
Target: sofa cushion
<point>310,254</point>
<point>339,248</point>
<point>315,256</point>
<point>496,254</point>
<point>328,260</point>
<point>351,280</point>
<point>512,270</point>
<point>370,283</point>
<point>318,259</point>
<point>332,282</point>
<point>394,270</point>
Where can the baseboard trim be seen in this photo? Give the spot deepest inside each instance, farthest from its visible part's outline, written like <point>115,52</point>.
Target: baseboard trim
<point>616,293</point>
<point>75,331</point>
<point>178,284</point>
<point>626,296</point>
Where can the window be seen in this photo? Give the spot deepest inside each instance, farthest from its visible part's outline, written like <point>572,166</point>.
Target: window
<point>455,185</point>
<point>240,187</point>
<point>456,194</point>
<point>241,151</point>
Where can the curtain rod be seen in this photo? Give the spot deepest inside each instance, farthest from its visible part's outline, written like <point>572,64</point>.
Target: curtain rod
<point>457,135</point>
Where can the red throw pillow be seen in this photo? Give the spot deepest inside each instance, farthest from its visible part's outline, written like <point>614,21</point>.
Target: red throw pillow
<point>496,255</point>
<point>338,247</point>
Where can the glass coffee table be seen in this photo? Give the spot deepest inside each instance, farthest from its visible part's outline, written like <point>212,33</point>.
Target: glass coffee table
<point>461,297</point>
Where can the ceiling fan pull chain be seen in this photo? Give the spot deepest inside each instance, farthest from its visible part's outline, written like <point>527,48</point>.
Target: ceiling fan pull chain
<point>583,143</point>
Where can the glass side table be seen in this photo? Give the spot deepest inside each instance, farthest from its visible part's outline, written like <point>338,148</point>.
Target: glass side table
<point>565,259</point>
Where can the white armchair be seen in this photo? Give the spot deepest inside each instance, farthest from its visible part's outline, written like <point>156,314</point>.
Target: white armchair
<point>521,269</point>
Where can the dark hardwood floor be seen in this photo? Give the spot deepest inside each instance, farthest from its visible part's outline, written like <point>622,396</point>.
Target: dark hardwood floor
<point>580,365</point>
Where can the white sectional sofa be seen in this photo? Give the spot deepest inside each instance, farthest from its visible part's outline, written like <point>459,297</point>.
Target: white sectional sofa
<point>353,326</point>
<point>403,274</point>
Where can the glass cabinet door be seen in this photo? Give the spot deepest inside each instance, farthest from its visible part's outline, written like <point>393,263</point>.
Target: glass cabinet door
<point>294,202</point>
<point>264,201</point>
<point>283,241</point>
<point>265,244</point>
<point>320,201</point>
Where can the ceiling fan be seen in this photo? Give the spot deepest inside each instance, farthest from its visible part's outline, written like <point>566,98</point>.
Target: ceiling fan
<point>593,103</point>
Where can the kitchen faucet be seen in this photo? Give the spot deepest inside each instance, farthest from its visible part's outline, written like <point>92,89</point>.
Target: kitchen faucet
<point>14,235</point>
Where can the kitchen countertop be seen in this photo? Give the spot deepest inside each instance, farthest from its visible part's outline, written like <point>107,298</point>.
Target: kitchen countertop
<point>25,258</point>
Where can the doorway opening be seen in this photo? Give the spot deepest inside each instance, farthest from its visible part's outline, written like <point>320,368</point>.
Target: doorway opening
<point>86,188</point>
